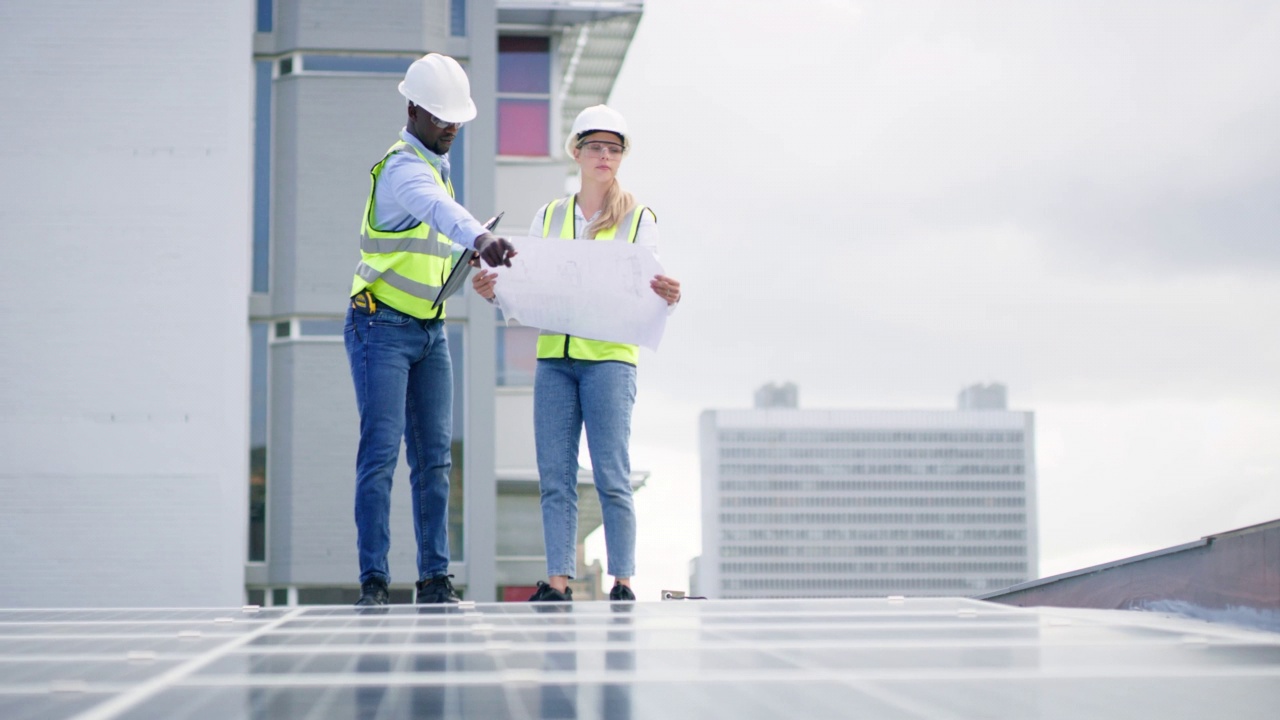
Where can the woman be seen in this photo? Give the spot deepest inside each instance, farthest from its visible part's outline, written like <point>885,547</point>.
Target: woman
<point>582,381</point>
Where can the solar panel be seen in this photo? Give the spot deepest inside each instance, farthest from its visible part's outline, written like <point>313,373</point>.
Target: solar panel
<point>895,658</point>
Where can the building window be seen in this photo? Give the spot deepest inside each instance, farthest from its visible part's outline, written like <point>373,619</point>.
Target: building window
<point>258,441</point>
<point>266,15</point>
<point>517,355</point>
<point>458,18</point>
<point>262,176</point>
<point>343,64</point>
<point>390,65</point>
<point>524,95</point>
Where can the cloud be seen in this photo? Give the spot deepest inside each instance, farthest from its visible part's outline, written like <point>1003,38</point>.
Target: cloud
<point>1142,132</point>
<point>886,201</point>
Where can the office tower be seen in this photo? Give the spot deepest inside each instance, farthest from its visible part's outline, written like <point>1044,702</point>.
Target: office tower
<point>846,503</point>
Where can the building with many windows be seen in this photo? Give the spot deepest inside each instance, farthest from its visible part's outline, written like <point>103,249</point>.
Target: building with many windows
<point>205,242</point>
<point>848,503</point>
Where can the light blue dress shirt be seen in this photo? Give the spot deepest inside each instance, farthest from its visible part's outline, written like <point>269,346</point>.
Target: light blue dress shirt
<point>407,193</point>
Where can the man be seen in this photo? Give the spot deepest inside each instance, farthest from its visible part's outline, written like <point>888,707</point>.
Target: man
<point>395,334</point>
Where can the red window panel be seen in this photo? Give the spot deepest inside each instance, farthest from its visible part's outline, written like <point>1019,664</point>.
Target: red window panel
<point>523,127</point>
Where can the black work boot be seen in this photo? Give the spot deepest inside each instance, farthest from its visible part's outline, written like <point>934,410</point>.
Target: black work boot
<point>373,592</point>
<point>621,592</point>
<point>437,590</point>
<point>546,593</point>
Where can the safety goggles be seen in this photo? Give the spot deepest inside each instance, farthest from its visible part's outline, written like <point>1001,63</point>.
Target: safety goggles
<point>599,148</point>
<point>441,123</point>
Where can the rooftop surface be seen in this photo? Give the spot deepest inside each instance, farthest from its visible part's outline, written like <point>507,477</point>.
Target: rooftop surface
<point>916,658</point>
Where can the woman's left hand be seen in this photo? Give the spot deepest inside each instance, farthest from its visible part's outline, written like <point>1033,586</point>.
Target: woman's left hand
<point>667,288</point>
<point>483,281</point>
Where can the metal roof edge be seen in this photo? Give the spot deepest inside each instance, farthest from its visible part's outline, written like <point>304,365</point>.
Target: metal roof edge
<point>548,13</point>
<point>1246,530</point>
<point>1093,569</point>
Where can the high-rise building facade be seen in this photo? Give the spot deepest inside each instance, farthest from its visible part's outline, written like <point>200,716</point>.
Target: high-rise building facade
<point>848,503</point>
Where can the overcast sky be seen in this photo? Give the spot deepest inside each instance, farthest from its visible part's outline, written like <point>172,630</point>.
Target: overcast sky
<point>1080,200</point>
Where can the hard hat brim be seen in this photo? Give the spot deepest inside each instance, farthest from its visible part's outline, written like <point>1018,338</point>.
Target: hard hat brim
<point>462,114</point>
<point>457,115</point>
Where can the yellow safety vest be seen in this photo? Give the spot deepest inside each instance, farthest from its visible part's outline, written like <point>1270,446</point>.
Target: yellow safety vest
<point>554,345</point>
<point>405,269</point>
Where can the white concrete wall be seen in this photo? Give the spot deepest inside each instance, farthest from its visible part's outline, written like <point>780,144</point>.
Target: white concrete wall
<point>125,214</point>
<point>524,186</point>
<point>516,450</point>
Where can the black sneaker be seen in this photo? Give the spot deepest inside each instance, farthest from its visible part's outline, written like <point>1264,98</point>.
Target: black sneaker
<point>373,592</point>
<point>437,590</point>
<point>546,593</point>
<point>621,592</point>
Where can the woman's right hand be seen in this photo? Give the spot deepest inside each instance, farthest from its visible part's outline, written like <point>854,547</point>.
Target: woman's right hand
<point>483,282</point>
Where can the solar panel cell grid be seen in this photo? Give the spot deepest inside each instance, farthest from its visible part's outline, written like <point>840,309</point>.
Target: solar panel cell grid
<point>926,658</point>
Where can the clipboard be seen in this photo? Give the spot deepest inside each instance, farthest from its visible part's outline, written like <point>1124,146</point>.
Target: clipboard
<point>462,266</point>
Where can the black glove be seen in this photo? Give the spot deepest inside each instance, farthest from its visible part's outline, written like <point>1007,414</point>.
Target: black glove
<point>494,250</point>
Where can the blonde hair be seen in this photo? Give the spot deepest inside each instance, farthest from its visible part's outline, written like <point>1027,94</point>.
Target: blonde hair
<point>617,203</point>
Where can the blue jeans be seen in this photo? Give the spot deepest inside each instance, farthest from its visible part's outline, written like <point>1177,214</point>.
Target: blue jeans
<point>404,388</point>
<point>566,395</point>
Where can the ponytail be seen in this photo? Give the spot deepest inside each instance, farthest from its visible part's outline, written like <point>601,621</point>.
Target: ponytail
<point>617,203</point>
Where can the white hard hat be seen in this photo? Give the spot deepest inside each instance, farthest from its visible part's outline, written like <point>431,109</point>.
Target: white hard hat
<point>437,84</point>
<point>598,118</point>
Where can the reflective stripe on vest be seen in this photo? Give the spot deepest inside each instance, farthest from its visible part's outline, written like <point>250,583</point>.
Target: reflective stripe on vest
<point>559,218</point>
<point>404,269</point>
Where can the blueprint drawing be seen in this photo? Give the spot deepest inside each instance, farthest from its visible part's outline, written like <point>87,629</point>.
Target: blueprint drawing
<point>588,288</point>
